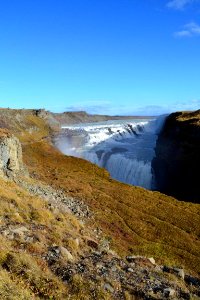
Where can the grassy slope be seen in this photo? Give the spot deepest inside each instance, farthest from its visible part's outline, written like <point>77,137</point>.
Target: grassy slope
<point>25,276</point>
<point>137,220</point>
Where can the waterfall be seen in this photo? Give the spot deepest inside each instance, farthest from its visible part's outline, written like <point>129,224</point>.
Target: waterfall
<point>124,148</point>
<point>130,171</point>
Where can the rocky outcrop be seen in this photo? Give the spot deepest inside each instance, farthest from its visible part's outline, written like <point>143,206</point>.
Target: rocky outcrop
<point>177,162</point>
<point>49,118</point>
<point>10,155</point>
<point>25,123</point>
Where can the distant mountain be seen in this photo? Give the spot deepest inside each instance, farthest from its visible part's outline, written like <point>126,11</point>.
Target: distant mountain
<point>84,117</point>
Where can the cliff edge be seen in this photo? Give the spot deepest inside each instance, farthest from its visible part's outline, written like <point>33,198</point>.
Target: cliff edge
<point>177,162</point>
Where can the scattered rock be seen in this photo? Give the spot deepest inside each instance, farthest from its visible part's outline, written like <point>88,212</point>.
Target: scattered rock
<point>141,260</point>
<point>55,252</point>
<point>108,287</point>
<point>130,270</point>
<point>93,244</point>
<point>20,231</point>
<point>152,260</point>
<point>15,233</point>
<point>131,258</point>
<point>181,273</point>
<point>66,254</point>
<point>176,271</point>
<point>77,242</point>
<point>57,199</point>
<point>169,292</point>
<point>192,280</point>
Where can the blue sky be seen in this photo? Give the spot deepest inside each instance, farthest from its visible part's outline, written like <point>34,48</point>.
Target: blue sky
<point>103,56</point>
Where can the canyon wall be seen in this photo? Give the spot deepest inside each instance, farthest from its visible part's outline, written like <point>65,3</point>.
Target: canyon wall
<point>177,162</point>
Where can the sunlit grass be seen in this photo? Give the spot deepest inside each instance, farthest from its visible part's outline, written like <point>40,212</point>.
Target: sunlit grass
<point>138,220</point>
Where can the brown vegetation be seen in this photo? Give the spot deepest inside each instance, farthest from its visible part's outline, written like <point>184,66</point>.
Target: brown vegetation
<point>28,227</point>
<point>136,220</point>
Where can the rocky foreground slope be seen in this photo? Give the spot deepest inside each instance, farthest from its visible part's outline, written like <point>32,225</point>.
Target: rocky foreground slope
<point>68,231</point>
<point>177,161</point>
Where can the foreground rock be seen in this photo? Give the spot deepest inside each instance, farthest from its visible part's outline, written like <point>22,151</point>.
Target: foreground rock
<point>10,155</point>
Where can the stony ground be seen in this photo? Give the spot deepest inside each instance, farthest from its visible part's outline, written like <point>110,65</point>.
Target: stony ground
<point>132,277</point>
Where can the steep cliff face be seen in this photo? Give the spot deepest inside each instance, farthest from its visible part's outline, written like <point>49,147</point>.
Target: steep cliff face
<point>10,155</point>
<point>177,162</point>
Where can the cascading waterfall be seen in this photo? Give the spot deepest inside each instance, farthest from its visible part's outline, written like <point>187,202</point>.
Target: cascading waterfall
<point>130,171</point>
<point>124,148</point>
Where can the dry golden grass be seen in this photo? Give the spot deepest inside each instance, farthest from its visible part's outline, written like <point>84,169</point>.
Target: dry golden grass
<point>34,276</point>
<point>137,220</point>
<point>86,290</point>
<point>11,290</point>
<point>23,273</point>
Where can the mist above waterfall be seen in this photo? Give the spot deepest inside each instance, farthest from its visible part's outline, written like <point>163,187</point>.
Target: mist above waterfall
<point>124,147</point>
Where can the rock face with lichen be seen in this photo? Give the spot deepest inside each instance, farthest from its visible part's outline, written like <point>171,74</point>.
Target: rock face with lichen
<point>10,155</point>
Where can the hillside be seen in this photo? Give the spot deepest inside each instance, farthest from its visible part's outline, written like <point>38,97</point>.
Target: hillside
<point>137,220</point>
<point>75,226</point>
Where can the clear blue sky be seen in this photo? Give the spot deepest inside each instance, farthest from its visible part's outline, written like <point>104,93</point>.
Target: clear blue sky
<point>104,56</point>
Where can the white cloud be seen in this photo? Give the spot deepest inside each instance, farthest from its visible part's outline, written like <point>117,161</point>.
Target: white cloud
<point>189,30</point>
<point>179,4</point>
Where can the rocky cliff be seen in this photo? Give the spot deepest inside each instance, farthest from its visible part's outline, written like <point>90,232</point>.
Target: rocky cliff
<point>10,155</point>
<point>177,162</point>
